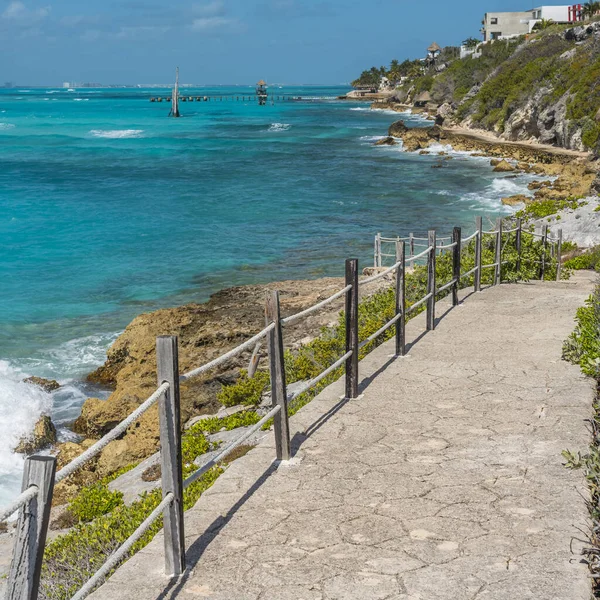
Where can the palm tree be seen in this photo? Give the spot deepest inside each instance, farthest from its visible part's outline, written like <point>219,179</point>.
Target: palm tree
<point>543,24</point>
<point>590,9</point>
<point>471,42</point>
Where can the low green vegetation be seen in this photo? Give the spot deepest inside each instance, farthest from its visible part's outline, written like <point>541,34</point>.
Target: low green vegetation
<point>313,358</point>
<point>540,209</point>
<point>583,348</point>
<point>103,521</point>
<point>248,390</point>
<point>588,260</point>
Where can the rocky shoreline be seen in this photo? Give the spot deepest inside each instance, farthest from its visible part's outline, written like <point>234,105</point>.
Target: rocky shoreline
<point>573,174</point>
<point>233,315</point>
<point>205,331</point>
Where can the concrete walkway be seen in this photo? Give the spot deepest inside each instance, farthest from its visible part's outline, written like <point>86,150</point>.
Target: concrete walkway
<point>443,481</point>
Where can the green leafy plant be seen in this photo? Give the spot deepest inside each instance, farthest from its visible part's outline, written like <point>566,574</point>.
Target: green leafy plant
<point>247,390</point>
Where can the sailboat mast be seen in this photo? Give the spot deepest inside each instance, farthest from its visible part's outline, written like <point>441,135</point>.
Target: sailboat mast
<point>175,97</point>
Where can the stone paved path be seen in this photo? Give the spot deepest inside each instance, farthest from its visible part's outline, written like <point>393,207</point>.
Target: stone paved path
<point>443,481</point>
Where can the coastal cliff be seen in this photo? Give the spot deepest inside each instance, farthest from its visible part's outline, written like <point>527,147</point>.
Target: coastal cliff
<point>543,89</point>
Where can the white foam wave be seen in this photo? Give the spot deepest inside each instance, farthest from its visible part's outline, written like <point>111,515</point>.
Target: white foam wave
<point>80,99</point>
<point>279,127</point>
<point>117,133</point>
<point>73,358</point>
<point>372,138</point>
<point>21,405</point>
<point>501,187</point>
<point>5,126</point>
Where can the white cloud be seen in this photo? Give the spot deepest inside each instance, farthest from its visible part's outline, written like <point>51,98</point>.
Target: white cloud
<point>212,24</point>
<point>142,31</point>
<point>17,11</point>
<point>209,9</point>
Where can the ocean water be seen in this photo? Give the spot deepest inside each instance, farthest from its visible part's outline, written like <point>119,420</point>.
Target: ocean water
<point>108,209</point>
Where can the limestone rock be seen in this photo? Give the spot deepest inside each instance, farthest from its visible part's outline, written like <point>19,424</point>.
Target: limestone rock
<point>98,417</point>
<point>536,185</point>
<point>504,167</point>
<point>516,199</point>
<point>397,129</point>
<point>387,141</point>
<point>43,435</point>
<point>48,385</point>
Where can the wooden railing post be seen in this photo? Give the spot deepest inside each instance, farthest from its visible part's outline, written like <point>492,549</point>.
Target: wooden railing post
<point>378,250</point>
<point>431,241</point>
<point>167,368</point>
<point>412,249</point>
<point>375,251</point>
<point>32,527</point>
<point>352,328</point>
<point>401,299</point>
<point>544,245</point>
<point>518,244</point>
<point>559,255</point>
<point>456,239</point>
<point>498,254</point>
<point>478,242</point>
<point>281,424</point>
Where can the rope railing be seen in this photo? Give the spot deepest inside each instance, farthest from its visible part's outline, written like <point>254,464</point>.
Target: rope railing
<point>316,307</point>
<point>113,434</point>
<point>21,500</point>
<point>230,448</point>
<point>228,355</point>
<point>39,477</point>
<point>315,380</point>
<point>124,549</point>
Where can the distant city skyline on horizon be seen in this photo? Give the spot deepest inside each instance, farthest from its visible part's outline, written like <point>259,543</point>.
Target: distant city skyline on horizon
<point>46,42</point>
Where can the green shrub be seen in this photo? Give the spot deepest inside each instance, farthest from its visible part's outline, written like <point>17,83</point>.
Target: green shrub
<point>94,501</point>
<point>214,424</point>
<point>540,209</point>
<point>71,559</point>
<point>247,390</point>
<point>582,347</point>
<point>588,260</point>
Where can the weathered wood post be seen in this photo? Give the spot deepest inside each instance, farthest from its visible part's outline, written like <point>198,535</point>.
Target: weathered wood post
<point>254,360</point>
<point>401,298</point>
<point>352,328</point>
<point>559,255</point>
<point>32,527</point>
<point>478,243</point>
<point>375,251</point>
<point>378,243</point>
<point>167,368</point>
<point>518,244</point>
<point>456,239</point>
<point>544,245</point>
<point>412,249</point>
<point>431,240</point>
<point>281,424</point>
<point>498,255</point>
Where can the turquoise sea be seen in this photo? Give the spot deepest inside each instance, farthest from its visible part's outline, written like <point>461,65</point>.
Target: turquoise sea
<point>108,208</point>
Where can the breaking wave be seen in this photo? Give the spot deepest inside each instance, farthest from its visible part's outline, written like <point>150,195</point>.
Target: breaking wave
<point>117,133</point>
<point>279,127</point>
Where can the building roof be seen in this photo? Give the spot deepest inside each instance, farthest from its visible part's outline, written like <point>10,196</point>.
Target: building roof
<point>262,82</point>
<point>423,97</point>
<point>434,48</point>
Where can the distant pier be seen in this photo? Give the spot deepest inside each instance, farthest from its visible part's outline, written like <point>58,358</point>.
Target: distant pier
<point>239,98</point>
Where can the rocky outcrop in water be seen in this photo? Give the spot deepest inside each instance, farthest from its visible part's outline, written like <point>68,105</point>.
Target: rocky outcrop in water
<point>48,385</point>
<point>42,436</point>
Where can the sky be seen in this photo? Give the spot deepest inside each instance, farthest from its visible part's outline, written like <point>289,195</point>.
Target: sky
<point>46,42</point>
